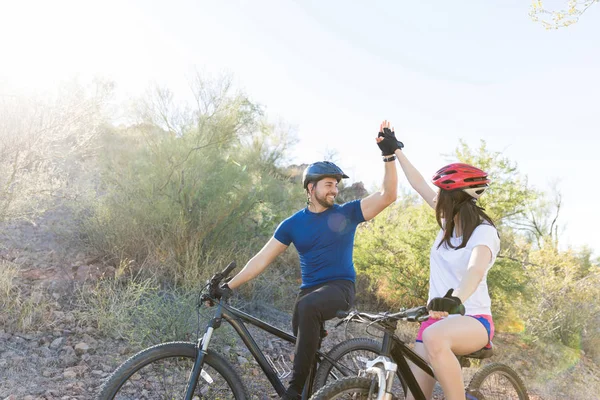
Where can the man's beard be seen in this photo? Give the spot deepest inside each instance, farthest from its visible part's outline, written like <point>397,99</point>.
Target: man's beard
<point>324,201</point>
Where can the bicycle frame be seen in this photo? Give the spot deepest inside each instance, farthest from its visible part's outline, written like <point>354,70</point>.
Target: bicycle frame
<point>237,318</point>
<point>399,352</point>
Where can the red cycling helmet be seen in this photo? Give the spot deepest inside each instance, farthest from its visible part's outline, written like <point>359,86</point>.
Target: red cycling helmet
<point>455,176</point>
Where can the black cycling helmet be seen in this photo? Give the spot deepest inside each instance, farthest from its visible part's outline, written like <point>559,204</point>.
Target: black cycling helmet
<point>322,169</point>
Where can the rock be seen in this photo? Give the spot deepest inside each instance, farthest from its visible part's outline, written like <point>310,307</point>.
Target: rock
<point>70,374</point>
<point>81,348</point>
<point>107,368</point>
<point>56,343</point>
<point>242,360</point>
<point>45,352</point>
<point>18,339</point>
<point>18,360</point>
<point>68,357</point>
<point>242,351</point>
<point>47,373</point>
<point>74,372</point>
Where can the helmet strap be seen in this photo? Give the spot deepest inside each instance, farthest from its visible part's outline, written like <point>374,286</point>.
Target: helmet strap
<point>308,194</point>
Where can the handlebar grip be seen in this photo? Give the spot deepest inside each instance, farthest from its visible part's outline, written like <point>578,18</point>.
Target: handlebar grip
<point>342,314</point>
<point>228,269</point>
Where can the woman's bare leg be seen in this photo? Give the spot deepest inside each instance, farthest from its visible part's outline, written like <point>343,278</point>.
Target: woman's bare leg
<point>426,382</point>
<point>443,341</point>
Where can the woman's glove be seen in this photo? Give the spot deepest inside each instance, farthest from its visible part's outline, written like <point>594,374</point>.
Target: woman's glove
<point>448,303</point>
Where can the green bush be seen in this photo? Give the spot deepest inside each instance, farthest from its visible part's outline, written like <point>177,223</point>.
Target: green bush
<point>392,250</point>
<point>563,305</point>
<point>181,200</point>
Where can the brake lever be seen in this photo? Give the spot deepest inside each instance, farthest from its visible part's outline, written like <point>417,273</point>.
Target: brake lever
<point>346,319</point>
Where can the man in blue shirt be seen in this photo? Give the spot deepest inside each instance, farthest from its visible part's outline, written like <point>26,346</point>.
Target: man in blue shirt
<point>323,234</point>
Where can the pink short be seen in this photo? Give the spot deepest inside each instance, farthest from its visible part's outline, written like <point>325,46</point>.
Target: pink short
<point>486,321</point>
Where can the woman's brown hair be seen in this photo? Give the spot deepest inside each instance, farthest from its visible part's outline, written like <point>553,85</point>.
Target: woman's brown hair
<point>450,203</point>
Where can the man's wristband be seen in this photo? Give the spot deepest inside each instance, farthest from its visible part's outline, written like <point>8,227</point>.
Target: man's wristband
<point>389,158</point>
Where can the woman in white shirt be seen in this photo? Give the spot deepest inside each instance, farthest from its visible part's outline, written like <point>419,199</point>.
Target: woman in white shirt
<point>462,254</point>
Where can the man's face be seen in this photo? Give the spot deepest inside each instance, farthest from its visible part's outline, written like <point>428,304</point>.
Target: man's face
<point>324,191</point>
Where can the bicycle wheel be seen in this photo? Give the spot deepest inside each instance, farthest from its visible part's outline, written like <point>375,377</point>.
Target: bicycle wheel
<point>351,356</point>
<point>497,381</point>
<point>350,387</point>
<point>162,372</point>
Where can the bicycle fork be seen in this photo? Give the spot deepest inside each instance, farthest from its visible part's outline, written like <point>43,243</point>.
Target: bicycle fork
<point>201,349</point>
<point>385,370</point>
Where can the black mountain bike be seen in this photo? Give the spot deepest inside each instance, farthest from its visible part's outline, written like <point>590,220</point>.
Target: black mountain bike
<point>493,381</point>
<point>185,370</point>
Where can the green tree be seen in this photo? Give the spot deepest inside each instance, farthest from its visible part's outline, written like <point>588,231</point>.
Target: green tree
<point>186,185</point>
<point>392,250</point>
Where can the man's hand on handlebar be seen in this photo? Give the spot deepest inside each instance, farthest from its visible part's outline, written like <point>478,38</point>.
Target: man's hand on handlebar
<point>216,290</point>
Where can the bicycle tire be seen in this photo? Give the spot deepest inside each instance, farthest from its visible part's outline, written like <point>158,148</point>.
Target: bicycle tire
<point>350,387</point>
<point>326,372</point>
<point>497,381</point>
<point>162,371</point>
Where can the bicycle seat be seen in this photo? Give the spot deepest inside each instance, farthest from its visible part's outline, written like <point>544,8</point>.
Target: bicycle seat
<point>481,354</point>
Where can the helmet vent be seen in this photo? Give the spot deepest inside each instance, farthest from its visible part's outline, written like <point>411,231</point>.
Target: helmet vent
<point>448,181</point>
<point>477,179</point>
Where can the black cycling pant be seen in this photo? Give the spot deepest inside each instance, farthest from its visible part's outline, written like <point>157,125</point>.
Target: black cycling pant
<point>314,305</point>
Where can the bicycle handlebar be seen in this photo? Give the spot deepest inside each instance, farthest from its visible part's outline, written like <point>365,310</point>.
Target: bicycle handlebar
<point>218,277</point>
<point>213,285</point>
<point>416,314</point>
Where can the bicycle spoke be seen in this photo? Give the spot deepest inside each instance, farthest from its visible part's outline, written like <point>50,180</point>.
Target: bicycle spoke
<point>167,379</point>
<point>498,386</point>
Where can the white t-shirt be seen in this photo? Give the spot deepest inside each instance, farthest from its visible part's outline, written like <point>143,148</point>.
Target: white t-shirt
<point>448,266</point>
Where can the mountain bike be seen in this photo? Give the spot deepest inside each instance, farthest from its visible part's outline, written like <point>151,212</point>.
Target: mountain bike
<point>493,381</point>
<point>186,370</point>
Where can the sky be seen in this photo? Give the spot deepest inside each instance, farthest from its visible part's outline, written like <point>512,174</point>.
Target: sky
<point>333,70</point>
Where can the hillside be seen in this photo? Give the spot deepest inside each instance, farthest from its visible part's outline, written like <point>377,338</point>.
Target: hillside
<point>58,355</point>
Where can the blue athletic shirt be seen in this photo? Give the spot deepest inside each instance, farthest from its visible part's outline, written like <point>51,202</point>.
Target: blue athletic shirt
<point>324,242</point>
